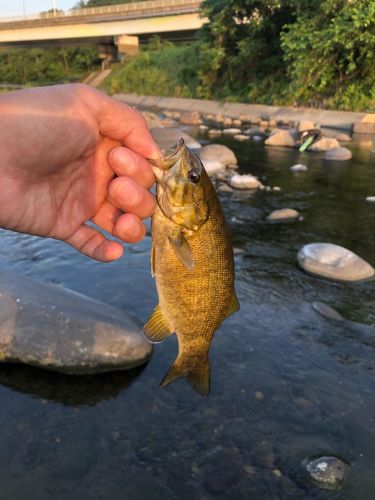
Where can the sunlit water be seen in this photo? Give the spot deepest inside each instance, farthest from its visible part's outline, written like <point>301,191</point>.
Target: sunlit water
<point>287,384</point>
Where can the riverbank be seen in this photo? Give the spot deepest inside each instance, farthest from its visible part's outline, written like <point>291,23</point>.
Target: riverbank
<point>252,113</point>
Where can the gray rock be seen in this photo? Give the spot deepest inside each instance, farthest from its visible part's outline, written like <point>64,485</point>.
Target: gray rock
<point>327,311</point>
<point>245,182</point>
<point>166,138</point>
<point>325,144</point>
<point>224,188</point>
<point>299,168</point>
<point>285,138</point>
<point>338,154</point>
<point>329,472</point>
<point>57,329</point>
<point>190,118</point>
<point>218,152</point>
<point>203,128</point>
<point>334,262</point>
<point>305,125</point>
<point>283,214</point>
<point>343,137</point>
<point>215,132</point>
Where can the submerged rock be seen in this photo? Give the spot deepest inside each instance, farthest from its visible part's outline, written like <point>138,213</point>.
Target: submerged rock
<point>278,137</point>
<point>338,154</point>
<point>245,182</point>
<point>218,152</point>
<point>166,138</point>
<point>58,329</point>
<point>370,199</point>
<point>335,262</point>
<point>283,214</point>
<point>299,168</point>
<point>329,472</point>
<point>325,144</point>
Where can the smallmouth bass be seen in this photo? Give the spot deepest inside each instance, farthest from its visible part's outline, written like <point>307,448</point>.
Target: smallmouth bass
<point>192,263</point>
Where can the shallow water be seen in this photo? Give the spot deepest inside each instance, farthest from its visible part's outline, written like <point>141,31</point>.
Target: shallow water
<point>287,384</point>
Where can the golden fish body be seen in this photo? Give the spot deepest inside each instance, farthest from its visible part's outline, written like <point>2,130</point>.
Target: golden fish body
<point>192,262</point>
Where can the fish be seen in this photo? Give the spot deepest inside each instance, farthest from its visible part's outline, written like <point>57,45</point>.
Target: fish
<point>192,264</point>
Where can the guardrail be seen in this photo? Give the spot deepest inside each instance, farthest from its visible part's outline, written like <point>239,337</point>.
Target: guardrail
<point>148,8</point>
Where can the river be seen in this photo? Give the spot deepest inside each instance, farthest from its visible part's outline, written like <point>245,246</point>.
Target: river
<point>287,383</point>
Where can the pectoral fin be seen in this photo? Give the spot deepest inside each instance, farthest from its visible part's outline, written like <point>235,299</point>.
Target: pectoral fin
<point>183,251</point>
<point>157,329</point>
<point>234,305</point>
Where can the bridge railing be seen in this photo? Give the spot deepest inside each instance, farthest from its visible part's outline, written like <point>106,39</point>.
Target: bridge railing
<point>144,8</point>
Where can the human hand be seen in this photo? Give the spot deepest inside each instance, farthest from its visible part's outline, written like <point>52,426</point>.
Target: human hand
<point>62,148</point>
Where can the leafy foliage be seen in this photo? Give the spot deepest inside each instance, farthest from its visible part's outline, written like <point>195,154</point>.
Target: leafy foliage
<point>44,66</point>
<point>163,69</point>
<point>330,53</point>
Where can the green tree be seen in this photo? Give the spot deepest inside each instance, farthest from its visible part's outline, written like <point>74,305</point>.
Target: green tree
<point>241,45</point>
<point>330,53</point>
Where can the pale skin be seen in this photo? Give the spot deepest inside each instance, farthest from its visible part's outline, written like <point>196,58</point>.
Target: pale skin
<point>69,155</point>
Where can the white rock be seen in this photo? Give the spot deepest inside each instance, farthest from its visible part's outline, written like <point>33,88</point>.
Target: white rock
<point>224,188</point>
<point>213,166</point>
<point>215,132</point>
<point>338,154</point>
<point>343,137</point>
<point>245,182</point>
<point>370,199</point>
<point>166,138</point>
<point>231,131</point>
<point>325,144</point>
<point>299,168</point>
<point>277,189</point>
<point>218,152</point>
<point>333,261</point>
<point>283,214</point>
<point>203,128</point>
<point>241,137</point>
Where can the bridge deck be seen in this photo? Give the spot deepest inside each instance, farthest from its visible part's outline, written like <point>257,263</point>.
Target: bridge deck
<point>134,10</point>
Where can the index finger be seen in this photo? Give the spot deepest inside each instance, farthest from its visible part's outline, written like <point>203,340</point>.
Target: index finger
<point>120,122</point>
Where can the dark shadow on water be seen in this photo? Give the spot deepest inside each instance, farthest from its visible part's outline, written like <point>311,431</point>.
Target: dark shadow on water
<point>68,390</point>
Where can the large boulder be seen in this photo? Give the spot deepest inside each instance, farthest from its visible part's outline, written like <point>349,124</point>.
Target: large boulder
<point>366,125</point>
<point>166,138</point>
<point>212,167</point>
<point>335,262</point>
<point>338,154</point>
<point>325,144</point>
<point>285,138</point>
<point>50,327</point>
<point>218,152</point>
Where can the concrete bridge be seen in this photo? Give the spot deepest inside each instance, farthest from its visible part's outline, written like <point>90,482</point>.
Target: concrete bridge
<point>113,28</point>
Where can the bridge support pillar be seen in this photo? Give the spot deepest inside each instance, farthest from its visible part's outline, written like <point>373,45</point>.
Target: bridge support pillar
<point>127,44</point>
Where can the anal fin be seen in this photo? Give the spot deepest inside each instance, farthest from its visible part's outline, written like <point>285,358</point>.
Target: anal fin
<point>234,305</point>
<point>157,329</point>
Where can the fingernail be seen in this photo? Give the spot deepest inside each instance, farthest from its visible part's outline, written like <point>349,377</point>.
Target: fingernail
<point>123,158</point>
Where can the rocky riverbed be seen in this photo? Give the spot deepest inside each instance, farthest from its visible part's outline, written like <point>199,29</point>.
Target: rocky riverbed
<point>291,411</point>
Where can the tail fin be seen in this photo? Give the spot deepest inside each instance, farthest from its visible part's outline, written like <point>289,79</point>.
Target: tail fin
<point>198,376</point>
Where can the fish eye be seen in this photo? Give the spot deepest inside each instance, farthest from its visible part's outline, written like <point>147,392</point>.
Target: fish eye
<point>194,176</point>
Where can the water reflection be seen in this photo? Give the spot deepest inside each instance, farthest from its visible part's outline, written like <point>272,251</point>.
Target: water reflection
<point>65,389</point>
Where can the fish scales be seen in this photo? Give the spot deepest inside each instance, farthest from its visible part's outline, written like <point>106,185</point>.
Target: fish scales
<point>192,264</point>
